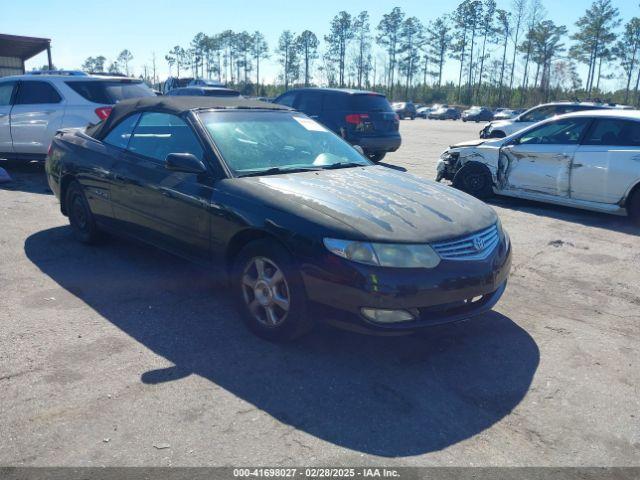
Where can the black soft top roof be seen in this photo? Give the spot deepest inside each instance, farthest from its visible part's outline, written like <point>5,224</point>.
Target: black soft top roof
<point>174,105</point>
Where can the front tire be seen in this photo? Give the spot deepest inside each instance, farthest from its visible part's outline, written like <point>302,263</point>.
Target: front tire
<point>633,207</point>
<point>475,180</point>
<point>81,218</point>
<point>269,292</point>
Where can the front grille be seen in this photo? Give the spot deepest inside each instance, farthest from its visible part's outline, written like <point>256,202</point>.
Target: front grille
<point>477,246</point>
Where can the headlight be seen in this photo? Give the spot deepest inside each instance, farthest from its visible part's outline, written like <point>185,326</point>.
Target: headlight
<point>396,255</point>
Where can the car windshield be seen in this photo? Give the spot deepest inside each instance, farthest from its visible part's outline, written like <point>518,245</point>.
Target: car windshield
<point>262,142</point>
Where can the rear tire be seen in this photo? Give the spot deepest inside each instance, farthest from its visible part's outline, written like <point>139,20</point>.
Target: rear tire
<point>270,293</point>
<point>81,218</point>
<point>377,157</point>
<point>633,207</point>
<point>475,180</point>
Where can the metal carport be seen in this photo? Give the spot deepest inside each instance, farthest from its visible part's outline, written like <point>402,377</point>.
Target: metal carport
<point>15,50</point>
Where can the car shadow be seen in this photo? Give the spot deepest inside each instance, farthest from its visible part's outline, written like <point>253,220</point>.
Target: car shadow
<point>25,177</point>
<point>386,396</point>
<point>587,218</point>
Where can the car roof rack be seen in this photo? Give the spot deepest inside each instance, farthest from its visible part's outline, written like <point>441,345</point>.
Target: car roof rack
<point>71,73</point>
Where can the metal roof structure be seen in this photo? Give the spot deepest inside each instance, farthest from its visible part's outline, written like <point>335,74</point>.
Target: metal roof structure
<point>16,49</point>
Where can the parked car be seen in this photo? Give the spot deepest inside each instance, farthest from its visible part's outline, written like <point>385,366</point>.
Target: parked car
<point>444,113</point>
<point>477,114</point>
<point>34,107</point>
<point>422,112</point>
<point>503,128</point>
<point>405,110</point>
<point>360,117</point>
<point>586,159</point>
<point>504,114</point>
<point>204,92</point>
<point>204,82</point>
<point>174,82</point>
<point>285,209</point>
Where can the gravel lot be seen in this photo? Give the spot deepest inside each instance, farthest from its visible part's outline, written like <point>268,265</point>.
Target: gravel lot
<point>122,355</point>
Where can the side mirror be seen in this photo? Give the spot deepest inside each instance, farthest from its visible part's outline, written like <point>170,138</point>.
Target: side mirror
<point>359,149</point>
<point>184,162</point>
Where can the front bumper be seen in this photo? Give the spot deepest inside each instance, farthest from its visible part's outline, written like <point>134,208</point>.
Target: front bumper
<point>434,296</point>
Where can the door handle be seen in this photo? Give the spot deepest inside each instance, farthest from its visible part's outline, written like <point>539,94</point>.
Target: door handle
<point>577,165</point>
<point>166,193</point>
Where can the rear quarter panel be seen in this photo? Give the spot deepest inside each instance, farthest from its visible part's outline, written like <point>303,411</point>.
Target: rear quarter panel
<point>89,162</point>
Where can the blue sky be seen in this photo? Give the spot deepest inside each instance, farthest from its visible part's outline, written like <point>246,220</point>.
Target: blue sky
<point>79,29</point>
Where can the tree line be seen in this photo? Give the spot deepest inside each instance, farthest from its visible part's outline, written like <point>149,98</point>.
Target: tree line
<point>502,57</point>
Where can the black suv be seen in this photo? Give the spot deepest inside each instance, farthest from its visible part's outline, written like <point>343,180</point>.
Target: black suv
<point>360,117</point>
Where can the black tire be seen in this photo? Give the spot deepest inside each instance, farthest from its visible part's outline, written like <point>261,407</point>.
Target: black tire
<point>633,207</point>
<point>401,117</point>
<point>475,180</point>
<point>289,324</point>
<point>81,218</point>
<point>413,117</point>
<point>377,156</point>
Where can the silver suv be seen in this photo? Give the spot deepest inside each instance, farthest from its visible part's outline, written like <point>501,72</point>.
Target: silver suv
<point>34,106</point>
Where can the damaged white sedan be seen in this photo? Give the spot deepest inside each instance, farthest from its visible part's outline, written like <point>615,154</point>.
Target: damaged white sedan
<point>587,160</point>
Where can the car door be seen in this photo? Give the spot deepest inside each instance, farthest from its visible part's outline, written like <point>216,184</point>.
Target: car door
<point>161,206</point>
<point>539,159</point>
<point>36,115</point>
<point>7,90</point>
<point>607,163</point>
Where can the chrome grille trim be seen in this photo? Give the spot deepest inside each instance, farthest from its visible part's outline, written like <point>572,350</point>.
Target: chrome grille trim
<point>465,248</point>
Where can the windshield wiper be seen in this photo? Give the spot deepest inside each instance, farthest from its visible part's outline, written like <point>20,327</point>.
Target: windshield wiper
<point>343,165</point>
<point>276,170</point>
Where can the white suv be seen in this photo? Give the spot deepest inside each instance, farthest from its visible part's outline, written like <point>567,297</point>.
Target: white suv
<point>504,128</point>
<point>34,106</point>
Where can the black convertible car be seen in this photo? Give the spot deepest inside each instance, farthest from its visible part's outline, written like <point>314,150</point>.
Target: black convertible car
<point>298,220</point>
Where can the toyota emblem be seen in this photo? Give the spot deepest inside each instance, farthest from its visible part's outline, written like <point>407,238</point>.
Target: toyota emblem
<point>478,243</point>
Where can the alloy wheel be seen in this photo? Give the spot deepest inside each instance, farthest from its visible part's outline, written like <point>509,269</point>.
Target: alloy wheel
<point>266,292</point>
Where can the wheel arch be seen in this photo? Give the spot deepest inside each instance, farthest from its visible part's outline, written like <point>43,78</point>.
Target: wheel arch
<point>634,190</point>
<point>242,239</point>
<point>64,186</point>
<point>473,164</point>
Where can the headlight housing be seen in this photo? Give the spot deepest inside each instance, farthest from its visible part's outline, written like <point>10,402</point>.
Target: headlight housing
<point>396,255</point>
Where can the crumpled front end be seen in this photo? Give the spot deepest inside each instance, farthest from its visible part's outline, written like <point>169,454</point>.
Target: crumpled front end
<point>454,158</point>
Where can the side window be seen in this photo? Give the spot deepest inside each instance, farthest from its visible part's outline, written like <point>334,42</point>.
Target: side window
<point>159,134</point>
<point>33,93</point>
<point>538,114</point>
<point>309,103</point>
<point>119,136</point>
<point>562,132</point>
<point>614,132</point>
<point>287,99</point>
<point>6,91</point>
<point>336,102</point>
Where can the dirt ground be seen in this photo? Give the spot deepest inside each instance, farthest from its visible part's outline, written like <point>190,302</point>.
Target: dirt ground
<point>122,355</point>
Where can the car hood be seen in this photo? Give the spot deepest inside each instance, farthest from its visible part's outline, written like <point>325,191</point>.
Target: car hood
<point>379,203</point>
<point>468,143</point>
<point>501,123</point>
